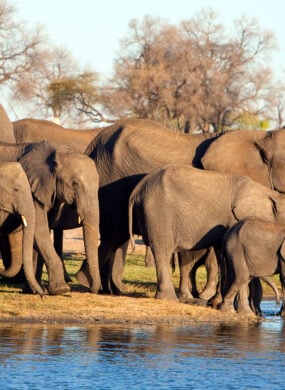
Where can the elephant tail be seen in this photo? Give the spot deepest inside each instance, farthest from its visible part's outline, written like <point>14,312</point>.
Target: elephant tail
<point>130,211</point>
<point>273,286</point>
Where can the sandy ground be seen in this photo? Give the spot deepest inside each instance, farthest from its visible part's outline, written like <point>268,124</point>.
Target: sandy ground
<point>85,308</point>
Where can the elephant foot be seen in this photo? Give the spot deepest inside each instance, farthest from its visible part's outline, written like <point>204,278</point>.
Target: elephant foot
<point>196,302</point>
<point>215,301</point>
<point>166,296</point>
<point>185,297</point>
<point>208,293</point>
<point>59,290</point>
<point>226,307</point>
<point>83,276</point>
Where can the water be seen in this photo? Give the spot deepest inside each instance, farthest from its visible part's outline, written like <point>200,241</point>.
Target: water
<point>112,357</point>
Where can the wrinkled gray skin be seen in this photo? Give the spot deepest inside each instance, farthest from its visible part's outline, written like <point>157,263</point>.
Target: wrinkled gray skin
<point>60,176</point>
<point>33,130</point>
<point>256,154</point>
<point>178,208</point>
<point>126,151</point>
<point>17,212</point>
<point>251,248</point>
<point>123,154</point>
<point>36,130</point>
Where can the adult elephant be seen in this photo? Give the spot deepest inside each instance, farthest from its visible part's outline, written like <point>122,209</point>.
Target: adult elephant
<point>33,130</point>
<point>6,127</point>
<point>177,207</point>
<point>36,130</point>
<point>123,153</point>
<point>256,154</point>
<point>57,175</point>
<point>17,212</point>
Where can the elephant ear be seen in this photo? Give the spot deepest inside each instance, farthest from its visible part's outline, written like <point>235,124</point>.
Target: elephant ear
<point>264,146</point>
<point>282,250</point>
<point>254,202</point>
<point>38,163</point>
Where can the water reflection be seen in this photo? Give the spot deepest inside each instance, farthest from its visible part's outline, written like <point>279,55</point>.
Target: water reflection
<point>45,357</point>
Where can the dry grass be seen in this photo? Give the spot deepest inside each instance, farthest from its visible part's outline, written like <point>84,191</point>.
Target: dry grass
<point>138,306</point>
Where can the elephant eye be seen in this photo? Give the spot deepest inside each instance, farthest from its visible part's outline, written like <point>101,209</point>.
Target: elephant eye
<point>75,183</point>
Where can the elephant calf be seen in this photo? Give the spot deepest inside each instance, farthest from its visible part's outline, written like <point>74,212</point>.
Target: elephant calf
<point>251,248</point>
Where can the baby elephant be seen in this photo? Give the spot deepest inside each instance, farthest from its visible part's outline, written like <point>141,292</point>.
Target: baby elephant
<point>251,248</point>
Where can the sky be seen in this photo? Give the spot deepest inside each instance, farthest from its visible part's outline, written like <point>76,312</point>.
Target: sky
<point>92,29</point>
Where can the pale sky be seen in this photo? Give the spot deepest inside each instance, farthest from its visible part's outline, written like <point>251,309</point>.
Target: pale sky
<point>92,29</point>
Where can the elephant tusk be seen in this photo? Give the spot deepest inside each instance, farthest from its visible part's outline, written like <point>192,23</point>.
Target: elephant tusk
<point>79,220</point>
<point>24,220</point>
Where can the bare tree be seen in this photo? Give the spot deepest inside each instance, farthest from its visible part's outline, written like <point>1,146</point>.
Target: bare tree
<point>19,52</point>
<point>191,75</point>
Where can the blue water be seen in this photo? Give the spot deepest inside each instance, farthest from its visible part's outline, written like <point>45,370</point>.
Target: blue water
<point>156,357</point>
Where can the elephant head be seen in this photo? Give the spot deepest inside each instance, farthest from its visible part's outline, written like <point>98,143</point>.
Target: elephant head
<point>62,175</point>
<point>257,154</point>
<point>251,199</point>
<point>17,210</point>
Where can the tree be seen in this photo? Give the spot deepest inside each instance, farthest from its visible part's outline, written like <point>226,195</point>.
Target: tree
<point>192,74</point>
<point>58,89</point>
<point>20,48</point>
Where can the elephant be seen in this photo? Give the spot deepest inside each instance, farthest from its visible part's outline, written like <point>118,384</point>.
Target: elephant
<point>36,130</point>
<point>60,176</point>
<point>6,127</point>
<point>177,207</point>
<point>131,148</point>
<point>17,212</point>
<point>32,130</point>
<point>251,248</point>
<point>257,154</point>
<point>123,153</point>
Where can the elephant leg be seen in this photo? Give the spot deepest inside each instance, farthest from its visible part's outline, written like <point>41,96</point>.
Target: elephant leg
<point>105,251</point>
<point>243,306</point>
<point>58,245</point>
<point>185,266</point>
<point>57,284</point>
<point>112,271</point>
<point>149,259</point>
<point>228,302</point>
<point>189,262</point>
<point>165,288</point>
<point>211,266</point>
<point>255,296</point>
<point>117,268</point>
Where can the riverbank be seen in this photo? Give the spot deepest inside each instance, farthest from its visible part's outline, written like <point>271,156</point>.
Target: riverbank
<point>80,307</point>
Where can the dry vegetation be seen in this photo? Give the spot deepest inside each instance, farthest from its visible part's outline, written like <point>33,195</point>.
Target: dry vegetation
<point>137,307</point>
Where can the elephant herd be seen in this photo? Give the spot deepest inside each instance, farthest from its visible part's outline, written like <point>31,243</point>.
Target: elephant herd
<point>211,197</point>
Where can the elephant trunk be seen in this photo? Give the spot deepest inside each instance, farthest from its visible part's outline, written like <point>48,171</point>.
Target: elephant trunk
<point>15,256</point>
<point>89,273</point>
<point>27,245</point>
